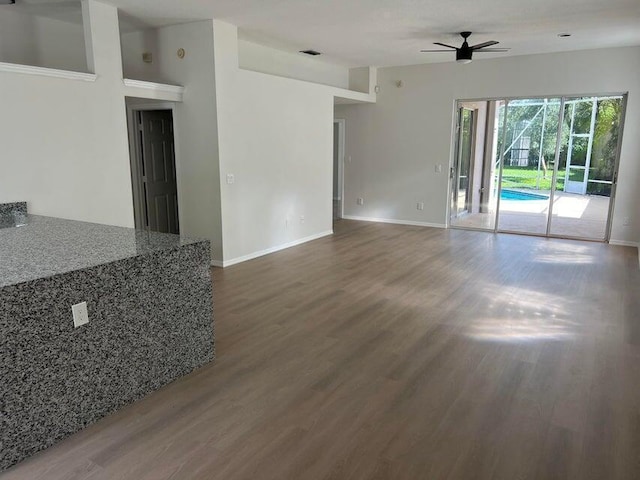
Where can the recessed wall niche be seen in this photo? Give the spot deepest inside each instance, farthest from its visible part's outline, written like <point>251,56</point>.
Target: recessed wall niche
<point>43,34</point>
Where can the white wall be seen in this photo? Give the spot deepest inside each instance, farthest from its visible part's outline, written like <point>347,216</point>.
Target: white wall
<point>40,41</point>
<point>275,137</point>
<point>65,145</point>
<point>134,44</point>
<point>260,58</point>
<point>196,129</point>
<point>396,144</point>
<point>64,142</point>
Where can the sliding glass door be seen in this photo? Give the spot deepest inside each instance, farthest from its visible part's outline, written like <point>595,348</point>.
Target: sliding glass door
<point>462,167</point>
<point>587,163</point>
<point>547,166</point>
<point>475,171</point>
<point>528,142</point>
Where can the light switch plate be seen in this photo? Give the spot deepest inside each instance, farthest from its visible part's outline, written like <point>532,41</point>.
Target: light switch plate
<point>80,314</point>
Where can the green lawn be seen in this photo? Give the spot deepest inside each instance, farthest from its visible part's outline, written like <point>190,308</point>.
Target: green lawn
<point>518,177</point>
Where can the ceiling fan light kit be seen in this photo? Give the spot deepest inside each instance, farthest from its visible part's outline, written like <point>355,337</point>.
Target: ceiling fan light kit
<point>464,53</point>
<point>463,57</point>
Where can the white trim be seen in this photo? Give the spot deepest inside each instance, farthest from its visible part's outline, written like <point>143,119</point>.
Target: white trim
<point>251,256</point>
<point>624,243</point>
<point>159,105</point>
<point>47,72</point>
<point>157,87</point>
<point>395,222</point>
<point>341,156</point>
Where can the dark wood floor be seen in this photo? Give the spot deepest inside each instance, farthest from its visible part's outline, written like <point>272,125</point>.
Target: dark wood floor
<point>394,352</point>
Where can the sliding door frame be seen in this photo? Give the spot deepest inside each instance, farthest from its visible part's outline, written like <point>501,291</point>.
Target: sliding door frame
<point>556,165</point>
<point>563,98</point>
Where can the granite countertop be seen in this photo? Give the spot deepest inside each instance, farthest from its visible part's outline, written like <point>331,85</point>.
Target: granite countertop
<point>33,246</point>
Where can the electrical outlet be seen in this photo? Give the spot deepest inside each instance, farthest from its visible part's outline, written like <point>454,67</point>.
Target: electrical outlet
<point>626,221</point>
<point>80,314</point>
<point>301,218</point>
<point>438,168</point>
<point>360,201</point>
<point>420,205</point>
<point>230,179</point>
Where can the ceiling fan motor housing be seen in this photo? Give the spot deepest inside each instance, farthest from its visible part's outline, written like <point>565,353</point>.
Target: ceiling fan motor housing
<point>463,55</point>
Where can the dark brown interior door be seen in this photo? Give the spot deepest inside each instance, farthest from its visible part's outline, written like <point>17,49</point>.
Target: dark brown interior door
<point>160,188</point>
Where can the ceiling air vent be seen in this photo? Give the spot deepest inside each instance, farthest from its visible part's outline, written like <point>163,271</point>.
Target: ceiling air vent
<point>313,53</point>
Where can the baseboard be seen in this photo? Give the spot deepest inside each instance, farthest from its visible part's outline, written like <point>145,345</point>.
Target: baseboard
<point>623,243</point>
<point>261,253</point>
<point>394,221</point>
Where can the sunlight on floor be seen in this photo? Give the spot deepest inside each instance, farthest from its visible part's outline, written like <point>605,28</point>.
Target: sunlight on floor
<point>574,258</point>
<point>568,253</point>
<point>570,206</point>
<point>531,316</point>
<point>529,206</point>
<point>521,330</point>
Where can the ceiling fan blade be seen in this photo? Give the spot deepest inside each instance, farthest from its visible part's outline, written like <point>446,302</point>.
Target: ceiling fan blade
<point>485,44</point>
<point>432,51</point>
<point>445,45</point>
<point>489,50</point>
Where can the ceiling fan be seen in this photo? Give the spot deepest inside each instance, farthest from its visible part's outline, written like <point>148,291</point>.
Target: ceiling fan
<point>465,52</point>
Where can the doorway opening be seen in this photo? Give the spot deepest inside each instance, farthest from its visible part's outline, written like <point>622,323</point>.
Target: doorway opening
<point>539,166</point>
<point>338,168</point>
<point>153,168</point>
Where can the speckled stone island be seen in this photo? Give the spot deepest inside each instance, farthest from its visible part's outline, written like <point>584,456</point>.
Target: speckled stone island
<point>12,214</point>
<point>10,208</point>
<point>150,322</point>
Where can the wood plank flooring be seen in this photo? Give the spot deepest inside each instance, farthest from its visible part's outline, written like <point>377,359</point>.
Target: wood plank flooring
<point>395,352</point>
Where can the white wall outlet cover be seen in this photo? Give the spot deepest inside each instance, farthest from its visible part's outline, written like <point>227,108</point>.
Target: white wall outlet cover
<point>438,168</point>
<point>80,314</point>
<point>230,178</point>
<point>360,201</point>
<point>420,205</point>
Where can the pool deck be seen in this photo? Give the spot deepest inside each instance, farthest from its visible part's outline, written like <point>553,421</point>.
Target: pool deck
<point>581,216</point>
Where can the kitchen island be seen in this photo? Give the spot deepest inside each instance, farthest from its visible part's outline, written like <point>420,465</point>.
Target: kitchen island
<point>149,303</point>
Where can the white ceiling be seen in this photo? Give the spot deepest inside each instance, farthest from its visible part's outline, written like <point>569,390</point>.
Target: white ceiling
<point>392,32</point>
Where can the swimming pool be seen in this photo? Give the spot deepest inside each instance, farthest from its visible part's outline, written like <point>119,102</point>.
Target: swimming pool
<point>518,195</point>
